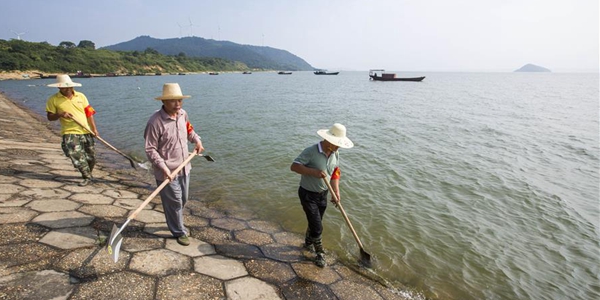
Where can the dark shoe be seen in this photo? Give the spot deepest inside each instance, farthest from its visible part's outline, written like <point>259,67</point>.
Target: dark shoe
<point>320,260</point>
<point>85,182</point>
<point>183,240</point>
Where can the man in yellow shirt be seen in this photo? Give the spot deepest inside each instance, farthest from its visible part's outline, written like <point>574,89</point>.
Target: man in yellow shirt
<point>77,142</point>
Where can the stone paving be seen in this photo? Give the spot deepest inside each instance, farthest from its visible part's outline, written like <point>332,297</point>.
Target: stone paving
<point>52,236</point>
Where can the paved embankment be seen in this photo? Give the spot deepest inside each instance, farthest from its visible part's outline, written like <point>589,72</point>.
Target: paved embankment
<point>52,232</point>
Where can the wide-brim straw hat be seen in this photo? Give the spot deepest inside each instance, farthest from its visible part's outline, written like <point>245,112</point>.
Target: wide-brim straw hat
<point>64,81</point>
<point>171,91</point>
<point>336,135</point>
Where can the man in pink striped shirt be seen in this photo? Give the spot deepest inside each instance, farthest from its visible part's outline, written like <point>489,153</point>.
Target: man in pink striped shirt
<point>167,132</point>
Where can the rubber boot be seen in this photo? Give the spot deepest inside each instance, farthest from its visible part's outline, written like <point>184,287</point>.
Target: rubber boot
<point>320,259</point>
<point>308,243</point>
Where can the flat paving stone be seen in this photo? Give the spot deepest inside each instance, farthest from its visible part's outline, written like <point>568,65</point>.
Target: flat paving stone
<point>16,215</point>
<point>189,286</point>
<point>150,216</point>
<point>270,271</point>
<point>53,205</point>
<point>9,188</point>
<point>122,285</point>
<point>37,193</point>
<point>12,256</point>
<point>249,288</point>
<point>71,238</point>
<point>142,243</point>
<point>302,289</point>
<point>312,272</point>
<point>6,202</point>
<point>120,194</point>
<point>158,229</point>
<point>92,199</point>
<point>103,211</point>
<point>229,224</point>
<point>254,237</point>
<point>20,232</point>
<point>264,226</point>
<point>194,249</point>
<point>159,262</point>
<point>89,263</point>
<point>45,284</point>
<point>219,267</point>
<point>283,253</point>
<point>131,204</point>
<point>36,183</point>
<point>63,219</point>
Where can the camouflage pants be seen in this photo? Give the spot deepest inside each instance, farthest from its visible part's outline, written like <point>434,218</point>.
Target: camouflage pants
<point>80,149</point>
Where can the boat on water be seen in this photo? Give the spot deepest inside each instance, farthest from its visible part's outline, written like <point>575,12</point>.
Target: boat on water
<point>321,72</point>
<point>80,74</point>
<point>247,72</point>
<point>284,73</point>
<point>213,73</point>
<point>380,75</point>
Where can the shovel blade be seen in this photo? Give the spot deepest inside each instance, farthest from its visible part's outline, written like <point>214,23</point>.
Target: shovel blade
<point>114,243</point>
<point>208,157</point>
<point>365,258</point>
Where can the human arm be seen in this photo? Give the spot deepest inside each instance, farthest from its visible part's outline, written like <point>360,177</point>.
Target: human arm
<point>92,124</point>
<point>58,115</point>
<point>304,170</point>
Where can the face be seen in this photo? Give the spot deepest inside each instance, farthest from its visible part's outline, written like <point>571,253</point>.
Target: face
<point>172,107</point>
<point>330,147</point>
<point>67,92</point>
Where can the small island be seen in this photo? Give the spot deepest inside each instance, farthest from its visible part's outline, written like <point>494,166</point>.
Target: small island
<point>532,68</point>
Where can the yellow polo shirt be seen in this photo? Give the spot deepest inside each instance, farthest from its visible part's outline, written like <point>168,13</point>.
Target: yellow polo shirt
<point>78,106</point>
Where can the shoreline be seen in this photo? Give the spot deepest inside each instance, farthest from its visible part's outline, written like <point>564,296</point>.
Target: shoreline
<point>263,248</point>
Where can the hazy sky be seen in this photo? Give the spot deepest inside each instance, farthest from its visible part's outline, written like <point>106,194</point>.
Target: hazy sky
<point>400,35</point>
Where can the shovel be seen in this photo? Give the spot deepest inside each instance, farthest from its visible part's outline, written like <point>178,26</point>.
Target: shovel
<point>365,257</point>
<point>115,239</point>
<point>110,146</point>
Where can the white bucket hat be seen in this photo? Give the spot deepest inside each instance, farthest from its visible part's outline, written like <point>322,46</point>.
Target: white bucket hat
<point>336,135</point>
<point>64,81</point>
<point>171,91</point>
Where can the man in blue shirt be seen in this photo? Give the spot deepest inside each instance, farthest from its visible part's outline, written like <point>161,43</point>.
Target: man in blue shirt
<point>315,163</point>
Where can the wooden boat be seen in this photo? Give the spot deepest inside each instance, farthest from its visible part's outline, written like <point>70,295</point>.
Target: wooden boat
<point>374,75</point>
<point>213,73</point>
<point>247,72</point>
<point>284,73</point>
<point>325,73</point>
<point>80,74</point>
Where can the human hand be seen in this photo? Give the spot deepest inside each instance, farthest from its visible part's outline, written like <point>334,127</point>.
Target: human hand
<point>198,148</point>
<point>167,175</point>
<point>319,174</point>
<point>66,115</point>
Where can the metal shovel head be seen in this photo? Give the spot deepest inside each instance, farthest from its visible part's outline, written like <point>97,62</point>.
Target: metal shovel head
<point>208,157</point>
<point>114,243</point>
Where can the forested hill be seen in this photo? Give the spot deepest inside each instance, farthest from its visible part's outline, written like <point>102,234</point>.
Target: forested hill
<point>253,56</point>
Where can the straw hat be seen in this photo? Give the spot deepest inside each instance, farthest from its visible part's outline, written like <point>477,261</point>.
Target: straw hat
<point>64,81</point>
<point>336,135</point>
<point>171,91</point>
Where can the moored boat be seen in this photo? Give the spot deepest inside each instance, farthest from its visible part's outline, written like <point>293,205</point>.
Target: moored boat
<point>284,73</point>
<point>325,73</point>
<point>379,75</point>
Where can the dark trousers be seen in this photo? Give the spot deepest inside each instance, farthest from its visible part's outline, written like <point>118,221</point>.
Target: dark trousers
<point>314,205</point>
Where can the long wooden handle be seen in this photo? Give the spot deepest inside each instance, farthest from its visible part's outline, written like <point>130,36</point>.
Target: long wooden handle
<point>162,185</point>
<point>105,142</point>
<point>339,204</point>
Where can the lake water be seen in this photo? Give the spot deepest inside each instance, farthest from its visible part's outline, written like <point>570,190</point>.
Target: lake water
<point>463,186</point>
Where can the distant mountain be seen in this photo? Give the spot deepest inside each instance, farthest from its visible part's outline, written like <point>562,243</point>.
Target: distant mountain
<point>252,56</point>
<point>532,68</point>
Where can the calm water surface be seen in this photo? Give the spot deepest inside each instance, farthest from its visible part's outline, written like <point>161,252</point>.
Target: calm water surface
<point>463,186</point>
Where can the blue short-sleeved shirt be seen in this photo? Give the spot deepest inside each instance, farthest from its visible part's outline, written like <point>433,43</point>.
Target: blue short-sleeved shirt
<point>313,157</point>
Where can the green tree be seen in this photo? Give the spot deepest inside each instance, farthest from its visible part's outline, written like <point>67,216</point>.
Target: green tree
<point>66,44</point>
<point>86,45</point>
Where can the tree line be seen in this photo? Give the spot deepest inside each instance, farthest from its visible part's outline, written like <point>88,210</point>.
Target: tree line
<point>67,57</point>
